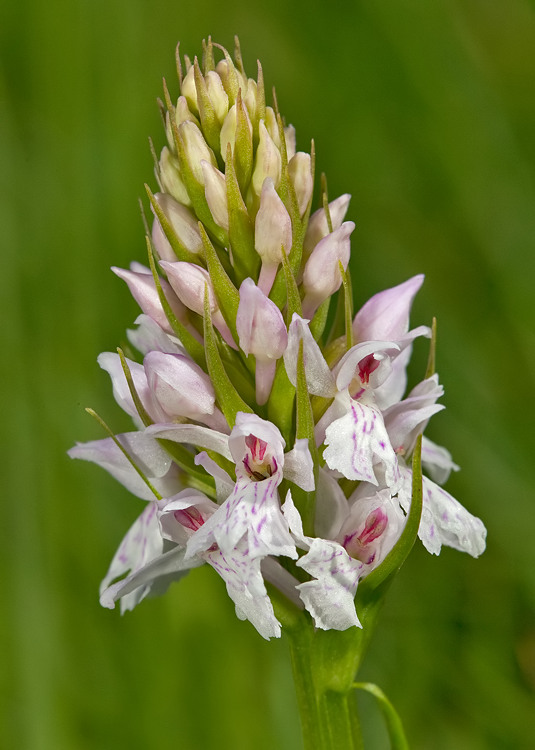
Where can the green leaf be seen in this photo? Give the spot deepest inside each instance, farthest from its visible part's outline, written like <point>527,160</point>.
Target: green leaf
<point>226,293</point>
<point>227,395</point>
<point>293,300</point>
<point>243,146</point>
<point>396,733</point>
<point>432,351</point>
<point>348,305</point>
<point>319,321</point>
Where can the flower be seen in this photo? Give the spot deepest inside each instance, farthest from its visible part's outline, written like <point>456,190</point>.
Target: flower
<point>243,392</point>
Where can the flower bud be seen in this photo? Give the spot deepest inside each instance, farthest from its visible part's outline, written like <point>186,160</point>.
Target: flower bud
<point>189,282</point>
<point>273,226</point>
<point>318,226</point>
<point>178,386</point>
<point>267,161</point>
<point>215,189</point>
<point>189,90</point>
<point>196,149</point>
<point>321,276</point>
<point>170,180</point>
<point>250,97</point>
<point>163,248</point>
<point>260,325</point>
<point>184,223</point>
<point>300,171</point>
<point>228,130</point>
<point>183,113</point>
<point>143,290</point>
<point>217,94</point>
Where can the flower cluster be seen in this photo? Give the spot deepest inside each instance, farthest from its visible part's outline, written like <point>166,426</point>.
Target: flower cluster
<point>268,444</point>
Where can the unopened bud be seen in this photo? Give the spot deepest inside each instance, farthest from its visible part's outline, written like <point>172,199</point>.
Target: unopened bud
<point>170,180</point>
<point>267,161</point>
<point>189,90</point>
<point>184,223</point>
<point>217,94</point>
<point>260,325</point>
<point>318,226</point>
<point>322,277</point>
<point>215,189</point>
<point>179,387</point>
<point>300,171</point>
<point>143,290</point>
<point>196,149</point>
<point>273,226</point>
<point>228,130</point>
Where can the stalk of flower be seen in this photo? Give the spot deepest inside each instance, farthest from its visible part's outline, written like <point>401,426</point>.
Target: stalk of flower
<point>269,444</point>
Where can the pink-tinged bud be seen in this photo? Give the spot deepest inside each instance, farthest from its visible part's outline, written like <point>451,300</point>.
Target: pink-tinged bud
<point>273,231</point>
<point>169,178</point>
<point>262,332</point>
<point>183,222</point>
<point>215,189</point>
<point>267,161</point>
<point>386,314</point>
<point>321,276</point>
<point>260,325</point>
<point>273,226</point>
<point>217,94</point>
<point>179,387</point>
<point>228,131</point>
<point>189,281</point>
<point>161,244</point>
<point>196,149</point>
<point>318,226</point>
<point>300,170</point>
<point>143,290</point>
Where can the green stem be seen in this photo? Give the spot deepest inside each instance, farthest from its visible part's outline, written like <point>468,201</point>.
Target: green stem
<point>302,666</point>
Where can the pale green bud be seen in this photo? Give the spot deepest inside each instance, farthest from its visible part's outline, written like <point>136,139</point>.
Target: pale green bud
<point>189,90</point>
<point>228,130</point>
<point>217,94</point>
<point>183,112</point>
<point>300,171</point>
<point>196,149</point>
<point>169,179</point>
<point>267,161</point>
<point>184,223</point>
<point>215,189</point>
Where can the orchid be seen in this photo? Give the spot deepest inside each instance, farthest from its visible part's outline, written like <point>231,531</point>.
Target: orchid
<point>268,442</point>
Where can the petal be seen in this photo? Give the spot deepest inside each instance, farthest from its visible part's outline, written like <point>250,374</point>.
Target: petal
<point>332,507</point>
<point>408,418</point>
<point>111,362</point>
<point>386,315</point>
<point>437,461</point>
<point>245,586</point>
<point>192,434</point>
<point>444,520</point>
<point>223,483</point>
<point>330,598</point>
<point>320,380</point>
<point>357,442</point>
<point>252,511</point>
<point>153,461</point>
<point>298,465</point>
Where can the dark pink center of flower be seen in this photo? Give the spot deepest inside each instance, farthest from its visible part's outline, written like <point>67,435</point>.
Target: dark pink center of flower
<point>190,518</point>
<point>365,368</point>
<point>358,546</point>
<point>257,462</point>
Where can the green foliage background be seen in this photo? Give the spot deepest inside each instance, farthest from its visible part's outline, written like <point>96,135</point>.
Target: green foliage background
<point>425,112</point>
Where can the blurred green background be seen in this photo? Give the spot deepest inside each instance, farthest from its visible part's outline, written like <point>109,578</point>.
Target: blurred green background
<point>425,112</point>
